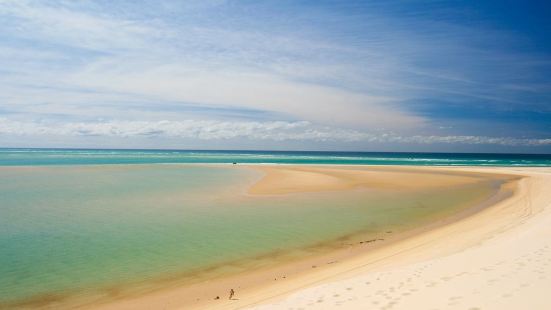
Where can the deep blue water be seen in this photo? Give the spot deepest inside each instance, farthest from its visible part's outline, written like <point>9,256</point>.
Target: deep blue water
<point>25,157</point>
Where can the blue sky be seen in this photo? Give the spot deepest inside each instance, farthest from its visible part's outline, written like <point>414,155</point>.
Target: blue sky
<point>312,75</point>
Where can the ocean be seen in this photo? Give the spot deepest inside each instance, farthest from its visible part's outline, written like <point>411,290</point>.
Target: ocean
<point>23,157</point>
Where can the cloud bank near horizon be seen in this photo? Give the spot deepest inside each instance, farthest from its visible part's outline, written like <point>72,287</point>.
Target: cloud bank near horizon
<point>223,130</point>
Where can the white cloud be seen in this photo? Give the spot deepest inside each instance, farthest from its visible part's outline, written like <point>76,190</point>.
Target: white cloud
<point>222,130</point>
<point>58,24</point>
<point>234,89</point>
<point>506,141</point>
<point>218,67</point>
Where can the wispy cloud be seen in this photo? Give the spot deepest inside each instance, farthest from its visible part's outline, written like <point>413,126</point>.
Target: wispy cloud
<point>209,66</point>
<point>58,24</point>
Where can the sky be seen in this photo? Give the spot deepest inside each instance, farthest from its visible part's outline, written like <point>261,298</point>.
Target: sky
<point>396,75</point>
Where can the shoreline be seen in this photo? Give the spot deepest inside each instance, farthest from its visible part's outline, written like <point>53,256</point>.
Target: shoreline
<point>499,258</point>
<point>290,281</point>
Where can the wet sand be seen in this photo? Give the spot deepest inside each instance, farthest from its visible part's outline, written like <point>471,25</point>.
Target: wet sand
<point>338,277</point>
<point>297,179</point>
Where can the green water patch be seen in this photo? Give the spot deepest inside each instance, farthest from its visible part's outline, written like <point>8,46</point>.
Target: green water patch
<point>75,230</point>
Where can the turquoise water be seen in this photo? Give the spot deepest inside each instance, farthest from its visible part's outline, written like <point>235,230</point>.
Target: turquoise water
<point>15,157</point>
<point>86,231</point>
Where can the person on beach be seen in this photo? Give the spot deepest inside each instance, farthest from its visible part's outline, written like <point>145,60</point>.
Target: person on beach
<point>232,292</point>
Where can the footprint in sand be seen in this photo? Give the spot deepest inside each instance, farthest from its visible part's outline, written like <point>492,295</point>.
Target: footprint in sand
<point>453,302</point>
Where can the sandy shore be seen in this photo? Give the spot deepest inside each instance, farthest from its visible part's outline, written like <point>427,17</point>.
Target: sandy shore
<point>498,258</point>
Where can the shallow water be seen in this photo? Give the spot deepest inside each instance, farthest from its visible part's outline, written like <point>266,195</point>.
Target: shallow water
<point>82,230</point>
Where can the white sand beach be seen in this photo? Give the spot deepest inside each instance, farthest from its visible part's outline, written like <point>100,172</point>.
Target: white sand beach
<point>499,258</point>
